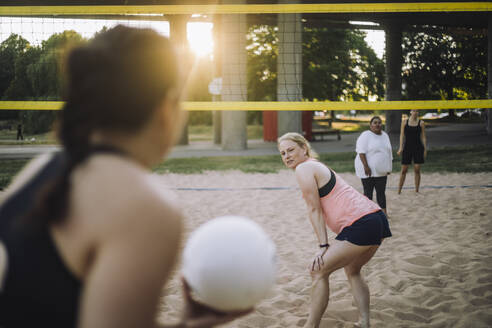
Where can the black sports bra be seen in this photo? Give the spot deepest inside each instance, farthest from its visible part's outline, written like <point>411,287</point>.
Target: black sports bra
<point>328,187</point>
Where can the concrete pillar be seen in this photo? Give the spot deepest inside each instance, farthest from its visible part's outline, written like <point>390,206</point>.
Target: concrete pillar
<point>217,123</point>
<point>489,75</point>
<point>289,69</point>
<point>177,34</point>
<point>234,84</point>
<point>394,61</point>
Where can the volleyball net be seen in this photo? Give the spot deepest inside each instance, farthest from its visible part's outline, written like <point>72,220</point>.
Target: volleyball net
<point>267,57</point>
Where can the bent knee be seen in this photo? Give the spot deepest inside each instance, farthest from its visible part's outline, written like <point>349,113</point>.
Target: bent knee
<point>318,275</point>
<point>352,271</point>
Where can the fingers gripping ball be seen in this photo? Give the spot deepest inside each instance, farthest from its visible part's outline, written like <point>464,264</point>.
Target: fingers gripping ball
<point>229,263</point>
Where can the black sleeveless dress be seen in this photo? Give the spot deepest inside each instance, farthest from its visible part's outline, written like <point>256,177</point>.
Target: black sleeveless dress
<point>413,149</point>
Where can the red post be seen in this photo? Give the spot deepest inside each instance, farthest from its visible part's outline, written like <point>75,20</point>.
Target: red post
<point>307,125</point>
<point>270,126</point>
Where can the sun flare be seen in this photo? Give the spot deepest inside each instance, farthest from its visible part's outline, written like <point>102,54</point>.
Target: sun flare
<point>36,30</point>
<point>200,38</point>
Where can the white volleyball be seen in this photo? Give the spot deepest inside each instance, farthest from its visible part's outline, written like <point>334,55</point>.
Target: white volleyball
<point>229,263</point>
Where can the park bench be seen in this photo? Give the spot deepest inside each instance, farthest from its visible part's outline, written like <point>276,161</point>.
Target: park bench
<point>323,127</point>
<point>321,133</point>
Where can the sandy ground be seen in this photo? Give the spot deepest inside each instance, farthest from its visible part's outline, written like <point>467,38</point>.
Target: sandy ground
<point>436,270</point>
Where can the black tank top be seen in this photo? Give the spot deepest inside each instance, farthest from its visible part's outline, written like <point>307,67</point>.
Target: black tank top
<point>412,136</point>
<point>38,288</point>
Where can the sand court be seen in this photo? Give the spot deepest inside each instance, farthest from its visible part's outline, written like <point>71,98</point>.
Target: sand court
<point>436,270</point>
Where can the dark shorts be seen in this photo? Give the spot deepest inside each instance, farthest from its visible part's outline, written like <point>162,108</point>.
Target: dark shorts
<point>368,230</point>
<point>417,155</point>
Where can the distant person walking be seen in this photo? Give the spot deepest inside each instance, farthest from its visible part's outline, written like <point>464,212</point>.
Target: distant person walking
<point>373,162</point>
<point>413,147</point>
<point>20,136</point>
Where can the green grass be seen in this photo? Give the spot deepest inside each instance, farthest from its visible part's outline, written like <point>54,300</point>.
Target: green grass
<point>195,133</point>
<point>206,132</point>
<point>344,125</point>
<point>450,159</point>
<point>8,169</point>
<point>260,164</point>
<point>470,159</point>
<point>7,137</point>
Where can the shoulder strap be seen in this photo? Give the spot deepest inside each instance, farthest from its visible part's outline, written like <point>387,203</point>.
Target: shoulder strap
<point>328,187</point>
<point>21,202</point>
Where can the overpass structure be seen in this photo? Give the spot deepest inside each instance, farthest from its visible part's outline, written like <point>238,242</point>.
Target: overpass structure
<point>394,17</point>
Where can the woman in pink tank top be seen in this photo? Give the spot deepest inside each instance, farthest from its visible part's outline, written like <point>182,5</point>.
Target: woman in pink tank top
<point>359,223</point>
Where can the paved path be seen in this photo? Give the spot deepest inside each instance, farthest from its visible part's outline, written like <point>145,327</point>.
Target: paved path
<point>442,136</point>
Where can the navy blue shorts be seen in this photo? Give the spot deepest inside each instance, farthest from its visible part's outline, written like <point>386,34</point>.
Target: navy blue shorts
<point>368,230</point>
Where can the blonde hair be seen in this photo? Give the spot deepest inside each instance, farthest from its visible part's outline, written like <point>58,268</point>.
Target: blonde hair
<point>300,140</point>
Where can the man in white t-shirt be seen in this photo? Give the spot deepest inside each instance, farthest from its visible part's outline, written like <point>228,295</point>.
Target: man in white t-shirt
<point>374,161</point>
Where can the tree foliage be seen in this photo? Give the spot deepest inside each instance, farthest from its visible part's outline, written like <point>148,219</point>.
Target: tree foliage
<point>10,49</point>
<point>262,49</point>
<point>440,65</point>
<point>33,73</point>
<point>337,65</point>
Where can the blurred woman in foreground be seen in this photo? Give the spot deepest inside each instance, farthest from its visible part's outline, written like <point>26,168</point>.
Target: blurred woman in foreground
<point>88,237</point>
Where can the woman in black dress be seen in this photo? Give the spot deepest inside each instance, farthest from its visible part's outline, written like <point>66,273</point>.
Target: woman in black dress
<point>413,147</point>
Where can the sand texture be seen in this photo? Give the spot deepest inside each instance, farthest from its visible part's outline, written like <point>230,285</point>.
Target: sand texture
<point>436,270</point>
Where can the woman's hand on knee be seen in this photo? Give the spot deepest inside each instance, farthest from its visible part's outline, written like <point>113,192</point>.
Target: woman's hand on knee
<point>318,262</point>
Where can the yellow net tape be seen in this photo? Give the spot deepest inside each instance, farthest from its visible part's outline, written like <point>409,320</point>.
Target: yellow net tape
<point>247,9</point>
<point>259,9</point>
<point>287,106</point>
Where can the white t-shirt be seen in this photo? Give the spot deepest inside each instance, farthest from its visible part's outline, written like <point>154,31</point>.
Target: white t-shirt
<point>377,148</point>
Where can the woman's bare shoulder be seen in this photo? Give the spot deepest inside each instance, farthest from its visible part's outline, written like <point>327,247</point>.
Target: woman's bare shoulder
<point>306,166</point>
<point>313,167</point>
<point>124,194</point>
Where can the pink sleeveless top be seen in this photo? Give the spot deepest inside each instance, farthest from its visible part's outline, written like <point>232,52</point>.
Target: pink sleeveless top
<point>344,205</point>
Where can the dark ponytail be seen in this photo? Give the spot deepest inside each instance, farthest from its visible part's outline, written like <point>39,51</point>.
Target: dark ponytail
<point>52,204</point>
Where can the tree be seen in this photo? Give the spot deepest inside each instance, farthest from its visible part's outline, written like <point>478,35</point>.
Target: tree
<point>10,49</point>
<point>20,87</point>
<point>45,75</point>
<point>37,76</point>
<point>262,52</point>
<point>443,65</point>
<point>337,65</point>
